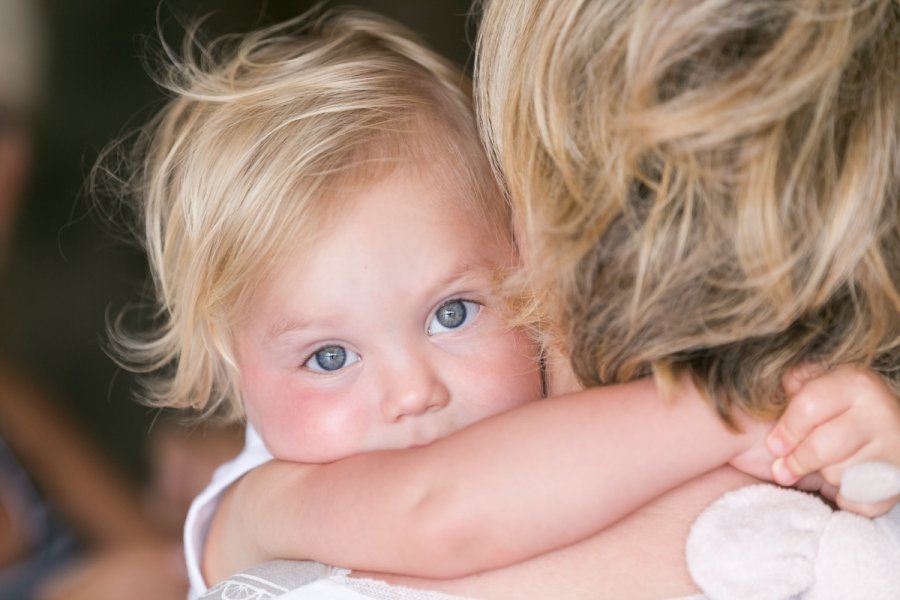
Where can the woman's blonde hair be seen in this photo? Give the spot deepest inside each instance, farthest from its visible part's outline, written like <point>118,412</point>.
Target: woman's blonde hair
<point>247,160</point>
<point>706,186</point>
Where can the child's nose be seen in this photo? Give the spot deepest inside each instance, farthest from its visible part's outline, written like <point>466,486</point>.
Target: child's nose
<point>414,391</point>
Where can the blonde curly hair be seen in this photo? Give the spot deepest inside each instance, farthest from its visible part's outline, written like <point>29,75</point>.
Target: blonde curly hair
<point>249,158</point>
<point>705,186</point>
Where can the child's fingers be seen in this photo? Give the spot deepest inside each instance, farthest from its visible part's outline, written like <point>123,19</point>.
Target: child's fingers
<point>870,509</point>
<point>829,491</point>
<point>823,449</point>
<point>829,487</point>
<point>806,411</point>
<point>814,482</point>
<point>794,380</point>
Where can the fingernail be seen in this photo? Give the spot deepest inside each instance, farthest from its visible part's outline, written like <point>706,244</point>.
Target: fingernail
<point>781,473</point>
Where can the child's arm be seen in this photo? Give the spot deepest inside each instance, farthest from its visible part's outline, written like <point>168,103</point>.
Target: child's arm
<point>513,486</point>
<point>836,419</point>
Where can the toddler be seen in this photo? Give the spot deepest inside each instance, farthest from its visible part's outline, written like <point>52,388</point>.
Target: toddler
<point>326,241</point>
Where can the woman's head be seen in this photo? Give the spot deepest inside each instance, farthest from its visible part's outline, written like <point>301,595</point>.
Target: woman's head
<point>703,186</point>
<point>248,160</point>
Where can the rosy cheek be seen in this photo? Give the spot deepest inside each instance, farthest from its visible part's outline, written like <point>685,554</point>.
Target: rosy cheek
<point>312,425</point>
<point>513,375</point>
<point>286,430</point>
<point>271,406</point>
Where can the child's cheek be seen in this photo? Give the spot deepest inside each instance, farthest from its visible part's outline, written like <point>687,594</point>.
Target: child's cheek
<point>506,375</point>
<point>312,425</point>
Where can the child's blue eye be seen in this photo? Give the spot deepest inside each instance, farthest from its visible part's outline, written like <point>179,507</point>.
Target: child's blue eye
<point>331,358</point>
<point>453,314</point>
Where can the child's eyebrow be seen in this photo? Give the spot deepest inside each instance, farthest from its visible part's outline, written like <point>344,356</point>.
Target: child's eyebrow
<point>286,325</point>
<point>461,273</point>
<point>282,326</point>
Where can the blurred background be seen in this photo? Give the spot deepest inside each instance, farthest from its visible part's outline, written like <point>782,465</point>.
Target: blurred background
<point>63,273</point>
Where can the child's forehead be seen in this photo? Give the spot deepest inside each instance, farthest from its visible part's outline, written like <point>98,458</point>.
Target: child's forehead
<point>400,242</point>
<point>395,202</point>
<point>410,189</point>
<point>455,186</point>
<point>463,180</point>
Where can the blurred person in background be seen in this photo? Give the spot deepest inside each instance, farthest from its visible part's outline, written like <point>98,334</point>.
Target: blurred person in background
<point>72,524</point>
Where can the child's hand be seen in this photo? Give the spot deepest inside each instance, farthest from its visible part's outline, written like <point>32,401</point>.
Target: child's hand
<point>836,418</point>
<point>755,459</point>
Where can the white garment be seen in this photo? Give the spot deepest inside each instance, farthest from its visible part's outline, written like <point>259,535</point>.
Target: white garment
<point>323,589</point>
<point>204,506</point>
<point>340,586</point>
<point>306,580</point>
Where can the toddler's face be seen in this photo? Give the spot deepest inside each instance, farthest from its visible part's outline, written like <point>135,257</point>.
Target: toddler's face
<point>387,334</point>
